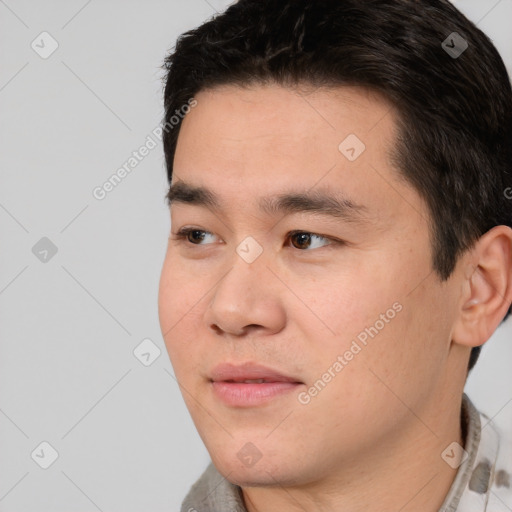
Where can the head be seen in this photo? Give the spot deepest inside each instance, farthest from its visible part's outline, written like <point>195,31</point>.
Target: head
<point>398,290</point>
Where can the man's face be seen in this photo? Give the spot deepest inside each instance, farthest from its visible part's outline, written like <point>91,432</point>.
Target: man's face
<point>348,311</point>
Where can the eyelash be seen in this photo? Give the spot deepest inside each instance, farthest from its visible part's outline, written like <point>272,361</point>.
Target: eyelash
<point>182,234</point>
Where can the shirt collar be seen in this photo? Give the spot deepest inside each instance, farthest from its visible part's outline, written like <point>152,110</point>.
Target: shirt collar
<point>473,484</point>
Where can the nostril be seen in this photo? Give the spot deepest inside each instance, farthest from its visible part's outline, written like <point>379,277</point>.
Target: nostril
<point>242,332</point>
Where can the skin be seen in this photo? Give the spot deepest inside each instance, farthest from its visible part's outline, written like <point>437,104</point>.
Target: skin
<point>372,438</point>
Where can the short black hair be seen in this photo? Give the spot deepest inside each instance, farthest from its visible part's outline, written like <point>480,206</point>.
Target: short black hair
<point>442,74</point>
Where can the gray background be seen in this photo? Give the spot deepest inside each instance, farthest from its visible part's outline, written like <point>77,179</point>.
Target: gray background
<point>69,325</point>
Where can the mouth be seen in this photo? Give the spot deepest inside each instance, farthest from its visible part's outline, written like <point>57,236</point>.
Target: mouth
<point>251,381</point>
<point>250,385</point>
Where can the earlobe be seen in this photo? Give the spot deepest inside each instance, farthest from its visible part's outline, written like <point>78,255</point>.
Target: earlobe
<point>488,289</point>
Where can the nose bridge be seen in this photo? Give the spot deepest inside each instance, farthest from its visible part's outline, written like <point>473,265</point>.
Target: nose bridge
<point>248,265</point>
<point>243,296</point>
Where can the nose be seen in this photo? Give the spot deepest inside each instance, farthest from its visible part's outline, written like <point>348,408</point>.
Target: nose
<point>249,298</point>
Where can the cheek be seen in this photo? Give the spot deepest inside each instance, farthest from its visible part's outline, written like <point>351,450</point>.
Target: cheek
<point>405,348</point>
<point>180,292</point>
<point>344,302</point>
<point>179,303</point>
<point>376,310</point>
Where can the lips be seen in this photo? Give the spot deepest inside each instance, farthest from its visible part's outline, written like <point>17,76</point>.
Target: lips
<point>249,373</point>
<point>250,385</point>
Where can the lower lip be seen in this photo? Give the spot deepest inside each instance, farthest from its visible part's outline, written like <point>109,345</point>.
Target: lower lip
<point>238,394</point>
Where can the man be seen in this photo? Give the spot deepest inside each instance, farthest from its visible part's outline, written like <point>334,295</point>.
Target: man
<point>340,249</point>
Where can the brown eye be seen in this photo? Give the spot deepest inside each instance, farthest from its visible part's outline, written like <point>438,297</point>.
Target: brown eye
<point>304,239</point>
<point>192,235</point>
<point>195,236</point>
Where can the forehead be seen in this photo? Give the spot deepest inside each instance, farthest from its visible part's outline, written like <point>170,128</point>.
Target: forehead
<point>265,140</point>
<point>241,113</point>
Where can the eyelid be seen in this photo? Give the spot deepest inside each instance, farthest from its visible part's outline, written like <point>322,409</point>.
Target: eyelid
<point>318,235</point>
<point>182,233</point>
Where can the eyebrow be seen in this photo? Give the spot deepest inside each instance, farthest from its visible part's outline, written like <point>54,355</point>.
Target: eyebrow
<point>316,201</point>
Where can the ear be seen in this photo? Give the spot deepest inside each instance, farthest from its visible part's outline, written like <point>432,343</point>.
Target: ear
<point>487,288</point>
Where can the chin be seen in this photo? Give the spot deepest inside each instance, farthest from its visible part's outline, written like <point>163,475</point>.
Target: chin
<point>252,477</point>
<point>263,473</point>
<point>244,479</point>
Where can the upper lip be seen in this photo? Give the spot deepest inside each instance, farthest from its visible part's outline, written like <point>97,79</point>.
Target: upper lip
<point>248,371</point>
